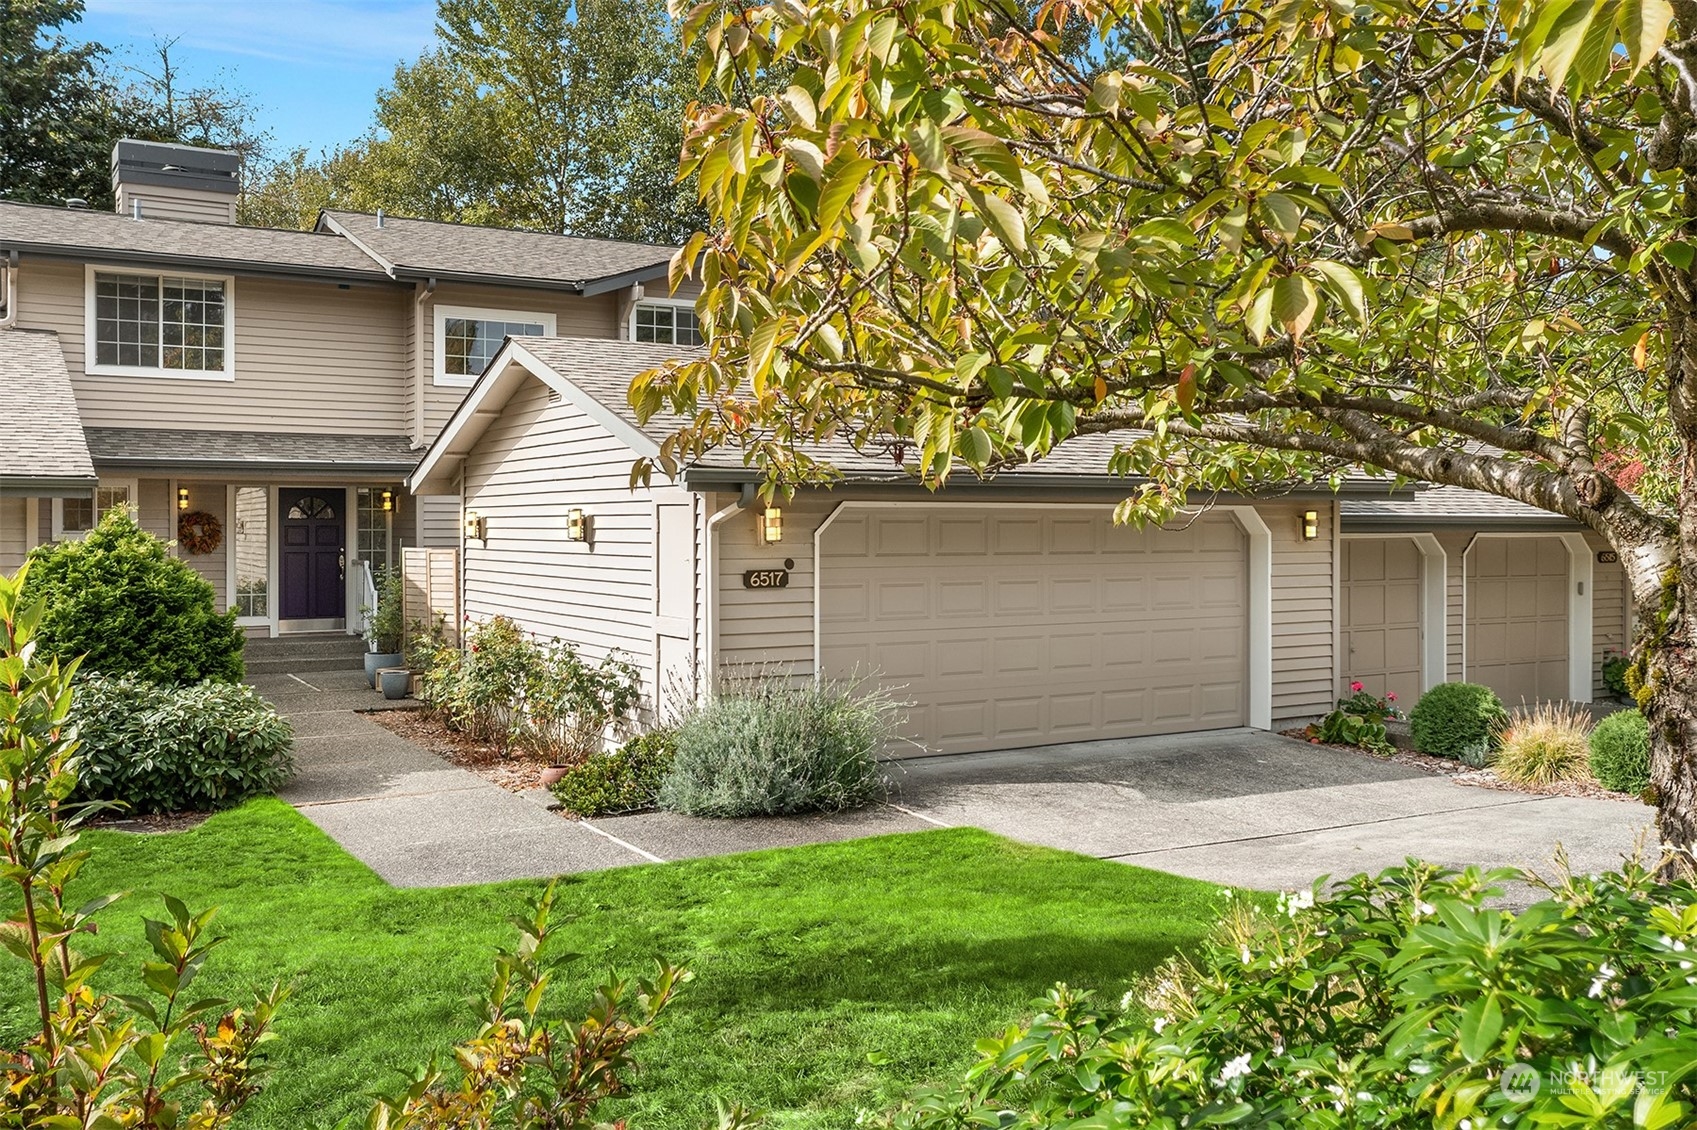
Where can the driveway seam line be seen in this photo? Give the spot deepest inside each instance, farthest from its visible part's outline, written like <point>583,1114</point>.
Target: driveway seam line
<point>382,796</point>
<point>918,815</point>
<point>1330,827</point>
<point>648,855</point>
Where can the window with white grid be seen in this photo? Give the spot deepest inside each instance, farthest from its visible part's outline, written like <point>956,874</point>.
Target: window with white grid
<point>667,323</point>
<point>159,325</point>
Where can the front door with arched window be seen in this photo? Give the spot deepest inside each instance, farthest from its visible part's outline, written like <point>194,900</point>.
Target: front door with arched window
<point>313,558</point>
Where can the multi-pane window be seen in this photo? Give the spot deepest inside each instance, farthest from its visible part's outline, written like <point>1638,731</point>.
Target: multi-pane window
<point>667,324</point>
<point>468,343</point>
<point>252,540</point>
<point>161,322</point>
<point>78,516</point>
<point>377,523</point>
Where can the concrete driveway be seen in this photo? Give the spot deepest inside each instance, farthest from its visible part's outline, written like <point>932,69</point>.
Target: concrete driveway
<point>1236,806</point>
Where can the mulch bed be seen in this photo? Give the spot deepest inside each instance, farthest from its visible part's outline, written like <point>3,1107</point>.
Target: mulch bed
<point>1479,778</point>
<point>515,770</point>
<point>151,825</point>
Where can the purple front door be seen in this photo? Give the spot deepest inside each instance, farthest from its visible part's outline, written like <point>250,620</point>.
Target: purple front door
<point>312,554</point>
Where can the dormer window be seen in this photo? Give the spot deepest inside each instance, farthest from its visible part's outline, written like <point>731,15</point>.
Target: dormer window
<point>467,338</point>
<point>158,325</point>
<point>668,323</point>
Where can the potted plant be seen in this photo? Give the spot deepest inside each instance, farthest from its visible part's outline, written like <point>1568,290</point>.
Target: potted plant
<point>394,682</point>
<point>383,631</point>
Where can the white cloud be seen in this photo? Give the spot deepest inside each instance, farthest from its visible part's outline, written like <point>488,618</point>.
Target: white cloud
<point>308,33</point>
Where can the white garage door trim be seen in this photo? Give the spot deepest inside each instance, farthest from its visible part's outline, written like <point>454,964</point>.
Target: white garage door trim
<point>1259,569</point>
<point>1434,603</point>
<point>1579,584</point>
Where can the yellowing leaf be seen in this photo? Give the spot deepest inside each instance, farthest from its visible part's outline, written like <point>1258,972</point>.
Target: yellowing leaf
<point>1641,353</point>
<point>1105,91</point>
<point>1644,28</point>
<point>1259,318</point>
<point>1397,233</point>
<point>1295,302</point>
<point>1007,221</point>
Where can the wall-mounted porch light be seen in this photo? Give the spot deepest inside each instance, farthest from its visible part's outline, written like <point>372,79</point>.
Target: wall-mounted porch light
<point>388,497</point>
<point>1310,525</point>
<point>476,526</point>
<point>182,498</point>
<point>577,525</point>
<point>772,525</point>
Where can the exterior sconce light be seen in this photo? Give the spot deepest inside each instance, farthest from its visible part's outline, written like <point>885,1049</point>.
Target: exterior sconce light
<point>182,498</point>
<point>772,525</point>
<point>476,526</point>
<point>1310,525</point>
<point>577,525</point>
<point>388,501</point>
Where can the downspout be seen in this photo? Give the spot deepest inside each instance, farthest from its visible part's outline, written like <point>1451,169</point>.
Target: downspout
<point>422,294</point>
<point>9,293</point>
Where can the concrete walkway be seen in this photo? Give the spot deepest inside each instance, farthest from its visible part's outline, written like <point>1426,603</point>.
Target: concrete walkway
<point>1235,806</point>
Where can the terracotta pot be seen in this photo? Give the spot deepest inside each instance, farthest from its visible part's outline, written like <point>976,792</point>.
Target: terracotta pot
<point>553,775</point>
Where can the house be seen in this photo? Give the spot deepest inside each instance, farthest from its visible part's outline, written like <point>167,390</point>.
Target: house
<point>1013,612</point>
<point>268,390</point>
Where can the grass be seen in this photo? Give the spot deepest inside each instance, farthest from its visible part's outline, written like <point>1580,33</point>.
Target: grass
<point>829,979</point>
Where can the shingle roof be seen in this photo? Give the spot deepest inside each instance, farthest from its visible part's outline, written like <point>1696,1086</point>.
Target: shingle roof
<point>1443,506</point>
<point>44,435</point>
<point>34,227</point>
<point>415,248</point>
<point>208,450</point>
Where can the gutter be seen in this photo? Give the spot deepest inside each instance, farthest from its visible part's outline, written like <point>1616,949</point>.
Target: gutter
<point>9,292</point>
<point>285,466</point>
<point>251,267</point>
<point>70,486</point>
<point>1033,485</point>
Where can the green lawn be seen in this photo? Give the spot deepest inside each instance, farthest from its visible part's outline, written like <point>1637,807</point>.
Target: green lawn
<point>828,979</point>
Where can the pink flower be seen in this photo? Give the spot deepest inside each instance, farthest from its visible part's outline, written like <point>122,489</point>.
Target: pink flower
<point>1391,697</point>
<point>1357,686</point>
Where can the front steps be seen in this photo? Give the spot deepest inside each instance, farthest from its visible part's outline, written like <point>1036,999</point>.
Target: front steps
<point>295,655</point>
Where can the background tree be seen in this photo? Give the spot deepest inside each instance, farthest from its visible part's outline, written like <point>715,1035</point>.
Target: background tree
<point>1446,242</point>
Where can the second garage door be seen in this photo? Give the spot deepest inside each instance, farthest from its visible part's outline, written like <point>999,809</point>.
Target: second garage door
<point>1009,627</point>
<point>1517,617</point>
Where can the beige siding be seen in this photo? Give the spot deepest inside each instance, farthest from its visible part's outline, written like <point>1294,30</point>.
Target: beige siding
<point>15,539</point>
<point>1304,665</point>
<point>1610,626</point>
<point>214,566</point>
<point>156,510</point>
<point>308,357</point>
<point>439,519</point>
<point>1455,589</point>
<point>537,460</point>
<point>159,203</point>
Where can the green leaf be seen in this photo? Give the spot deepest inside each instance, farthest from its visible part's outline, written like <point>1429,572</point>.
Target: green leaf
<point>1284,213</point>
<point>1567,35</point>
<point>1295,302</point>
<point>1481,1024</point>
<point>1006,220</point>
<point>1344,284</point>
<point>1644,28</point>
<point>1259,318</point>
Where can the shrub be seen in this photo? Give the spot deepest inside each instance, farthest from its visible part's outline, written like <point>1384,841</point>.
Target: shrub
<point>157,748</point>
<point>152,1062</point>
<point>1397,1001</point>
<point>384,631</point>
<point>480,690</point>
<point>570,705</point>
<point>1458,720</point>
<point>1545,745</point>
<point>1620,752</point>
<point>123,603</point>
<point>625,780</point>
<point>767,748</point>
<point>1615,667</point>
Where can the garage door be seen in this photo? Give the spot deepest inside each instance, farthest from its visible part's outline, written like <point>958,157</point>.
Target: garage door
<point>1517,617</point>
<point>1010,627</point>
<point>1381,616</point>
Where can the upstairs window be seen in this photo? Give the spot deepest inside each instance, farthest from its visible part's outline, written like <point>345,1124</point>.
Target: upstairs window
<point>669,323</point>
<point>467,338</point>
<point>158,325</point>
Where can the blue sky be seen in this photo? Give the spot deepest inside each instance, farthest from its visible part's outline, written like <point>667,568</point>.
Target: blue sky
<point>311,67</point>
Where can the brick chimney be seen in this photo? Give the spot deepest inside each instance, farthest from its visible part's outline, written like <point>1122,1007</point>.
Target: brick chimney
<point>153,180</point>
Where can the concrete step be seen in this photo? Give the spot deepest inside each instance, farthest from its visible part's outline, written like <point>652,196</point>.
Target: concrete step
<point>300,664</point>
<point>338,644</point>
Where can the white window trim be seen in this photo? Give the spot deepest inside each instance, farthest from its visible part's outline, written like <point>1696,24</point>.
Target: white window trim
<point>230,489</point>
<point>630,325</point>
<point>441,315</point>
<point>91,327</point>
<point>131,485</point>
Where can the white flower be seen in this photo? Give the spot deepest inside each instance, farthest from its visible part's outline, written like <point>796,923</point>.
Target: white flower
<point>1304,899</point>
<point>1160,1025</point>
<point>1128,1000</point>
<point>1235,1069</point>
<point>1243,952</point>
<point>1278,1048</point>
<point>1604,975</point>
<point>1423,909</point>
<point>1466,1124</point>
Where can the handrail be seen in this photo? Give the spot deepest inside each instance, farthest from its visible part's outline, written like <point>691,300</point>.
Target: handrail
<point>367,597</point>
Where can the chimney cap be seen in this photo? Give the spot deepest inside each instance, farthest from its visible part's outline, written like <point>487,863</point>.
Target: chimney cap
<point>76,203</point>
<point>180,166</point>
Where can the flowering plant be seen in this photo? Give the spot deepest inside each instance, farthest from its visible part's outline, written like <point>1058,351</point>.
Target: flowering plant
<point>1377,707</point>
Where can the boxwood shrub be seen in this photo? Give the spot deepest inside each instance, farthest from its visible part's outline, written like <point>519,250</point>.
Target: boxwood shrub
<point>769,748</point>
<point>625,780</point>
<point>1620,752</point>
<point>158,748</point>
<point>1459,720</point>
<point>122,602</point>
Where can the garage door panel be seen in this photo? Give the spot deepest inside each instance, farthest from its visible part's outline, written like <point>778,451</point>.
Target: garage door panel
<point>1517,617</point>
<point>1380,603</point>
<point>847,601</point>
<point>1053,635</point>
<point>1402,603</point>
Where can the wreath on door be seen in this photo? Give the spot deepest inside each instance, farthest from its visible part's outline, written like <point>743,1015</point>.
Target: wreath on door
<point>199,532</point>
